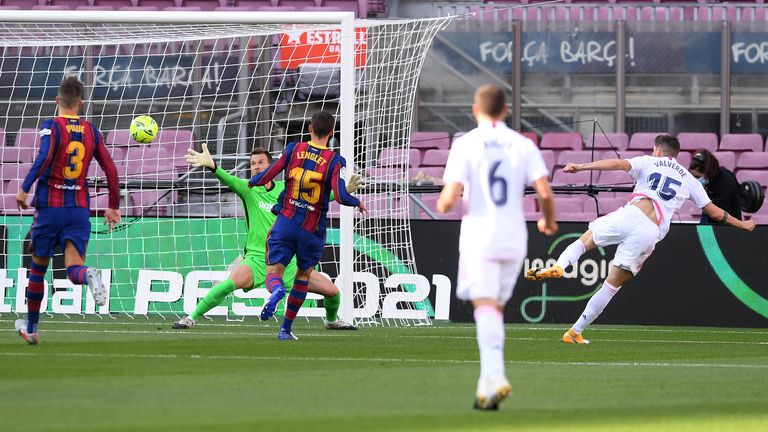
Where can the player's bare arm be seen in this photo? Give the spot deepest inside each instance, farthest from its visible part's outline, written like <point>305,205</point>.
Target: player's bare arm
<point>716,214</point>
<point>547,224</point>
<point>601,165</point>
<point>449,197</point>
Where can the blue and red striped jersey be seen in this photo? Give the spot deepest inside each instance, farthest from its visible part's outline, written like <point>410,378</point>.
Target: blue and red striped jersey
<point>311,173</point>
<point>67,146</point>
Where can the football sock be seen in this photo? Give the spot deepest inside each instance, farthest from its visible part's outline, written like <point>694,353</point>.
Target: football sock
<point>76,274</point>
<point>295,300</point>
<point>273,281</point>
<point>595,306</point>
<point>490,339</point>
<point>215,296</point>
<point>332,307</point>
<point>571,254</point>
<point>35,293</point>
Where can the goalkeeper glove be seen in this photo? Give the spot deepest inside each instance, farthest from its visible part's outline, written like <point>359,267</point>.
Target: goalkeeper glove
<point>355,183</point>
<point>203,159</point>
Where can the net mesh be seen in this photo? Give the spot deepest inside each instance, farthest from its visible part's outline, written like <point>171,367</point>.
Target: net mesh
<point>235,87</point>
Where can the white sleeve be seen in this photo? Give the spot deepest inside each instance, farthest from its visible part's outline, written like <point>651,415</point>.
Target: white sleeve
<point>698,194</point>
<point>637,166</point>
<point>535,166</point>
<point>456,166</point>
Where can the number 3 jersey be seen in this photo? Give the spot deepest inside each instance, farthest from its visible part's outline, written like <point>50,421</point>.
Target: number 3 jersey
<point>67,146</point>
<point>494,163</point>
<point>668,184</point>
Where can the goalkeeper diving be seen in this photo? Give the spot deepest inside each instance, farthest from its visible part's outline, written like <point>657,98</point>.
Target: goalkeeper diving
<point>251,273</point>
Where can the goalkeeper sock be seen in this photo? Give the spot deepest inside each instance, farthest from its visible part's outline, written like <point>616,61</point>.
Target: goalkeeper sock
<point>571,254</point>
<point>295,300</point>
<point>215,296</point>
<point>35,294</point>
<point>595,306</point>
<point>332,307</point>
<point>490,340</point>
<point>76,274</point>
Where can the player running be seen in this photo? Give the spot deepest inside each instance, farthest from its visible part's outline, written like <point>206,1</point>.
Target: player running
<point>312,171</point>
<point>258,203</point>
<point>662,186</point>
<point>62,205</point>
<point>492,164</point>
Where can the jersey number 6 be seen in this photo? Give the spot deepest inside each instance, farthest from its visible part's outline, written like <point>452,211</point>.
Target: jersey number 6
<point>74,167</point>
<point>497,183</point>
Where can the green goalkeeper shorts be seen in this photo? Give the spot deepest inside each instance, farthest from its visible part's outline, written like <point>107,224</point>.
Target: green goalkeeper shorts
<point>258,265</point>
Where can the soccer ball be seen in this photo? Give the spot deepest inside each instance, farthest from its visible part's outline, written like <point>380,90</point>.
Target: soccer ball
<point>144,129</point>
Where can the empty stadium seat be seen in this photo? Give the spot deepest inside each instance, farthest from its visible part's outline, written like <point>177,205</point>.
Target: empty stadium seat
<point>205,4</point>
<point>176,142</point>
<point>549,159</point>
<point>390,157</point>
<point>298,4</point>
<point>17,154</point>
<point>120,137</point>
<point>575,156</point>
<point>95,8</point>
<point>429,140</point>
<point>254,3</point>
<point>751,160</point>
<point>14,171</point>
<point>684,159</point>
<point>160,4</point>
<point>608,205</point>
<point>561,140</point>
<point>615,178</point>
<point>726,159</point>
<point>359,7</point>
<point>435,157</point>
<point>70,4</point>
<point>742,142</point>
<point>276,9</point>
<point>51,7</point>
<point>117,4</point>
<point>757,175</point>
<point>184,8</point>
<point>578,179</point>
<point>692,141</point>
<point>27,137</point>
<point>149,162</point>
<point>619,141</point>
<point>643,140</point>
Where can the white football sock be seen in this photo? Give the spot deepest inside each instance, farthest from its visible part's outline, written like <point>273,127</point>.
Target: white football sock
<point>490,339</point>
<point>595,306</point>
<point>571,254</point>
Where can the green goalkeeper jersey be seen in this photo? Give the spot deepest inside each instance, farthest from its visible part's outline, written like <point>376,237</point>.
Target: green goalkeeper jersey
<point>258,203</point>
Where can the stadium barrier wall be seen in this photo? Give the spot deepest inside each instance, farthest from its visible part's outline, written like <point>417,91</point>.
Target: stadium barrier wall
<point>699,275</point>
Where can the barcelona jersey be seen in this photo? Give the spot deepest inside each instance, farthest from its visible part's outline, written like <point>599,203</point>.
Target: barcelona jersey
<point>311,173</point>
<point>67,146</point>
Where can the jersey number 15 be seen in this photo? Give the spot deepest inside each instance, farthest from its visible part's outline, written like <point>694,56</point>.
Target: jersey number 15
<point>667,191</point>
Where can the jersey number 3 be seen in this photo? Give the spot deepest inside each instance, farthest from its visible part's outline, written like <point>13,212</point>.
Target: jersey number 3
<point>666,192</point>
<point>74,167</point>
<point>306,184</point>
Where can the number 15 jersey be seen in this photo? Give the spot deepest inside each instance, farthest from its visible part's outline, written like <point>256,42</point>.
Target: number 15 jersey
<point>668,184</point>
<point>494,163</point>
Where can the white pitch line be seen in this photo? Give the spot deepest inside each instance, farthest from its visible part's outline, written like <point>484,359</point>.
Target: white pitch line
<point>385,360</point>
<point>208,333</point>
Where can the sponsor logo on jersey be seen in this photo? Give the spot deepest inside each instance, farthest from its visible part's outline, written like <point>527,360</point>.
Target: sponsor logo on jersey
<point>44,132</point>
<point>67,187</point>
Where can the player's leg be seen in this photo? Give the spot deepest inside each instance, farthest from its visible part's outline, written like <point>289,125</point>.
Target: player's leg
<point>281,247</point>
<point>320,284</point>
<point>276,287</point>
<point>570,255</point>
<point>309,250</point>
<point>75,236</point>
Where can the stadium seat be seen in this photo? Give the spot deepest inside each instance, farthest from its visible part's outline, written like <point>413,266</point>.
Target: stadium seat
<point>206,5</point>
<point>619,141</point>
<point>51,7</point>
<point>577,179</point>
<point>276,9</point>
<point>27,137</point>
<point>549,159</point>
<point>8,204</point>
<point>435,157</point>
<point>120,137</point>
<point>14,7</point>
<point>359,7</point>
<point>726,159</point>
<point>14,171</point>
<point>644,140</point>
<point>615,178</point>
<point>184,8</point>
<point>741,142</point>
<point>430,140</point>
<point>150,203</point>
<point>160,4</point>
<point>629,154</point>
<point>17,154</point>
<point>751,160</point>
<point>757,175</point>
<point>117,4</point>
<point>390,157</point>
<point>532,136</point>
<point>320,9</point>
<point>149,162</point>
<point>608,205</point>
<point>390,174</point>
<point>95,8</point>
<point>70,4</point>
<point>760,219</point>
<point>384,206</point>
<point>175,142</point>
<point>561,140</point>
<point>693,141</point>
<point>298,4</point>
<point>684,159</point>
<point>436,172</point>
<point>10,187</point>
<point>254,4</point>
<point>575,156</point>
<point>140,8</point>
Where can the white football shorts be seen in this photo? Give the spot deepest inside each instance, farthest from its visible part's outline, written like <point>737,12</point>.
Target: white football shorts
<point>631,229</point>
<point>482,277</point>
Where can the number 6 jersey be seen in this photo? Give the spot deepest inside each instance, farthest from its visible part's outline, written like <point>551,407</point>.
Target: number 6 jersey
<point>668,184</point>
<point>494,163</point>
<point>67,146</point>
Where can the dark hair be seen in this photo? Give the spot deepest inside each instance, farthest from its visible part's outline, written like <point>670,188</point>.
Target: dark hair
<point>490,100</point>
<point>706,163</point>
<point>668,144</point>
<point>322,123</point>
<point>259,150</point>
<point>70,92</point>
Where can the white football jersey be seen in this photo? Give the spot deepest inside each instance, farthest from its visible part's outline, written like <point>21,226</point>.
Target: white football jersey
<point>668,184</point>
<point>494,163</point>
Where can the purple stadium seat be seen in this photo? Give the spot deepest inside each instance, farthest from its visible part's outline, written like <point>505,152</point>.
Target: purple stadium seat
<point>568,205</point>
<point>488,13</point>
<point>8,204</point>
<point>575,156</point>
<point>151,202</point>
<point>435,157</point>
<point>320,9</point>
<point>390,157</point>
<point>753,13</point>
<point>298,4</point>
<point>10,187</point>
<point>615,178</point>
<point>684,159</point>
<point>255,4</point>
<point>206,5</point>
<point>14,7</point>
<point>608,205</point>
<point>14,171</point>
<point>95,8</point>
<point>579,178</point>
<point>689,211</point>
<point>549,159</point>
<point>383,206</point>
<point>692,141</point>
<point>532,136</point>
<point>160,4</point>
<point>175,142</point>
<point>429,140</point>
<point>120,137</point>
<point>726,159</point>
<point>431,202</point>
<point>140,8</point>
<point>643,140</point>
<point>27,137</point>
<point>742,142</point>
<point>751,160</point>
<point>654,13</point>
<point>359,7</point>
<point>608,141</point>
<point>629,154</point>
<point>149,162</point>
<point>276,9</point>
<point>70,4</point>
<point>561,140</point>
<point>186,8</point>
<point>117,4</point>
<point>17,154</point>
<point>51,7</point>
<point>563,13</point>
<point>384,174</point>
<point>757,175</point>
<point>529,204</point>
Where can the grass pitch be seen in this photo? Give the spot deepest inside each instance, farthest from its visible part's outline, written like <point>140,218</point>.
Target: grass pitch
<point>141,375</point>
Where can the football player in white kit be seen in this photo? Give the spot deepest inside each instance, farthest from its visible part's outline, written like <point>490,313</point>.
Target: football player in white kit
<point>491,165</point>
<point>662,186</point>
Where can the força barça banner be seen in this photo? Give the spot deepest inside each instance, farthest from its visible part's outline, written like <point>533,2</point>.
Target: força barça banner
<point>699,275</point>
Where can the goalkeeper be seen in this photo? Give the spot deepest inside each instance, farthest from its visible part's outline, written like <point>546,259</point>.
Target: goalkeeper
<point>258,202</point>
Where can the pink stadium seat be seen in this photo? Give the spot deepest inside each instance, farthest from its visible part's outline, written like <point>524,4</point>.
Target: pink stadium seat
<point>276,9</point>
<point>120,137</point>
<point>160,4</point>
<point>320,9</point>
<point>654,13</point>
<point>254,3</point>
<point>95,8</point>
<point>619,141</point>
<point>435,157</point>
<point>608,205</point>
<point>529,204</point>
<point>488,13</point>
<point>568,205</point>
<point>742,142</point>
<point>205,4</point>
<point>429,140</point>
<point>643,140</point>
<point>684,159</point>
<point>139,8</point>
<point>561,140</point>
<point>692,141</point>
<point>14,7</point>
<point>17,154</point>
<point>149,162</point>
<point>753,13</point>
<point>532,136</point>
<point>575,156</point>
<point>757,175</point>
<point>549,159</point>
<point>175,142</point>
<point>751,160</point>
<point>431,202</point>
<point>70,4</point>
<point>10,187</point>
<point>390,157</point>
<point>760,219</point>
<point>579,178</point>
<point>359,7</point>
<point>14,171</point>
<point>298,4</point>
<point>51,7</point>
<point>688,212</point>
<point>150,203</point>
<point>563,13</point>
<point>27,137</point>
<point>385,174</point>
<point>628,154</point>
<point>726,159</point>
<point>383,206</point>
<point>8,204</point>
<point>615,178</point>
<point>185,8</point>
<point>117,4</point>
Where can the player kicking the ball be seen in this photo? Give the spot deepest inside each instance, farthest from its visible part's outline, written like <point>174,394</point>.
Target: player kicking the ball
<point>312,171</point>
<point>662,186</point>
<point>258,202</point>
<point>492,164</point>
<point>62,205</point>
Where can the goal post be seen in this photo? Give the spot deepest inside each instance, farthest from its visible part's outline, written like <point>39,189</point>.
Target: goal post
<point>236,80</point>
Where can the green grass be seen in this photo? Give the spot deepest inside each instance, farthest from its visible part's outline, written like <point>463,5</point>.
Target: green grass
<point>140,375</point>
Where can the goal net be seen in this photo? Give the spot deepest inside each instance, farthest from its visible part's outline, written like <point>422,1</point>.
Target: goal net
<point>236,87</point>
